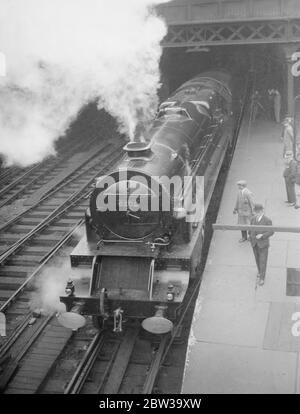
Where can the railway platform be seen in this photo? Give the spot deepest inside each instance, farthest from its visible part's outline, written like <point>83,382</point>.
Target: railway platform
<point>246,338</point>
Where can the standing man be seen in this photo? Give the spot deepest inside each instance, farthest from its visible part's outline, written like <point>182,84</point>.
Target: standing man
<point>290,175</point>
<point>288,135</point>
<point>275,103</point>
<point>243,206</point>
<point>260,241</point>
<point>256,106</point>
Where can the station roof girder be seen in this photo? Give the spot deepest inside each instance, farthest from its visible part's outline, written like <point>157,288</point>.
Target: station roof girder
<point>233,33</point>
<point>231,22</point>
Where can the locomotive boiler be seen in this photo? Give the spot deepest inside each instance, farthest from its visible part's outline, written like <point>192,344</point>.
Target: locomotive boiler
<point>144,225</point>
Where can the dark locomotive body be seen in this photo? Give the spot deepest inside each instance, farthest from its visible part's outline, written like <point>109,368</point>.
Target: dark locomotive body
<point>142,259</point>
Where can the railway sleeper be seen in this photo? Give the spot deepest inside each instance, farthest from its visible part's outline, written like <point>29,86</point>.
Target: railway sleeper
<point>55,228</point>
<point>20,229</point>
<point>9,283</point>
<point>35,251</point>
<point>52,204</point>
<point>5,294</point>
<point>8,238</point>
<point>29,221</point>
<point>38,215</point>
<point>16,271</point>
<point>23,260</point>
<point>19,305</point>
<point>43,207</point>
<point>46,240</point>
<point>65,222</point>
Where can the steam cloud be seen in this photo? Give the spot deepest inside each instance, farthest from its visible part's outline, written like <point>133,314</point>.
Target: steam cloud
<point>62,54</point>
<point>49,287</point>
<point>51,283</point>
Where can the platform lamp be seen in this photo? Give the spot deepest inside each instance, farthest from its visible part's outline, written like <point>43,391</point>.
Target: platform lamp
<point>296,127</point>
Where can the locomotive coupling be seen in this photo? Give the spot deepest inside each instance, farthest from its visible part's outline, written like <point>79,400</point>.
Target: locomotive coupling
<point>158,324</point>
<point>73,319</point>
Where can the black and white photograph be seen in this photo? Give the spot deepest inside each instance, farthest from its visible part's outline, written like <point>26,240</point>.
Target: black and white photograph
<point>149,200</point>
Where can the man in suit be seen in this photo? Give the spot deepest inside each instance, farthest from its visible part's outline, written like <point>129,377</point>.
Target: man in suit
<point>290,175</point>
<point>243,206</point>
<point>260,241</point>
<point>275,103</point>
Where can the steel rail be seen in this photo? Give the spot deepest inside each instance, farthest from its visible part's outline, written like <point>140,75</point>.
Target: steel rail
<point>22,327</point>
<point>86,364</point>
<point>114,373</point>
<point>6,171</point>
<point>13,338</point>
<point>17,180</point>
<point>154,367</point>
<point>14,362</point>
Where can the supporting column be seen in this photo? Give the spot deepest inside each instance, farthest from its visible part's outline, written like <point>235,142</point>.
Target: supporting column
<point>288,51</point>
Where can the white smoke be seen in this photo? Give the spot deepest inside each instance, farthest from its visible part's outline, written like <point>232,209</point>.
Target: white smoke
<point>50,285</point>
<point>48,288</point>
<point>61,54</point>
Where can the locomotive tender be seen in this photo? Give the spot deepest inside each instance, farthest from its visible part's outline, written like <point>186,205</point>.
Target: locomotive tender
<point>142,259</point>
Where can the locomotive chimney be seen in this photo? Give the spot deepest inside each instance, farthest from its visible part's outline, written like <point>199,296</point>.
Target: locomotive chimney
<point>138,149</point>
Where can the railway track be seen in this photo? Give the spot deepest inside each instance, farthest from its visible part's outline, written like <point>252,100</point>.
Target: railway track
<point>126,363</point>
<point>37,176</point>
<point>33,234</point>
<point>129,365</point>
<point>24,261</point>
<point>16,229</point>
<point>48,358</point>
<point>100,363</point>
<point>10,173</point>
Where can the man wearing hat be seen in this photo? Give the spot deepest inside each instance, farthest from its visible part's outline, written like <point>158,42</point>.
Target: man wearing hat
<point>260,241</point>
<point>290,175</point>
<point>243,206</point>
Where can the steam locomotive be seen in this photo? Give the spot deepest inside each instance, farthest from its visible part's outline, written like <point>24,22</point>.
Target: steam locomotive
<point>144,226</point>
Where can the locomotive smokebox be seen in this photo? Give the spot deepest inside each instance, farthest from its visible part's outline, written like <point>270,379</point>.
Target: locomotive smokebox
<point>73,319</point>
<point>158,324</point>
